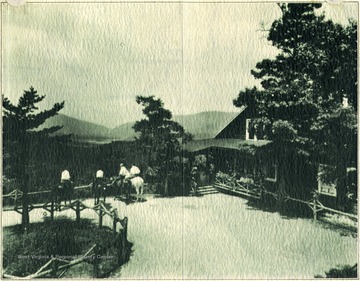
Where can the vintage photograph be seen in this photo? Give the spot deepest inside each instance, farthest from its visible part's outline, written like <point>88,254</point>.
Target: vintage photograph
<point>179,140</point>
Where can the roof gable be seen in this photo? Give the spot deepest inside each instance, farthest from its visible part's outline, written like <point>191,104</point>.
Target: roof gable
<point>236,127</point>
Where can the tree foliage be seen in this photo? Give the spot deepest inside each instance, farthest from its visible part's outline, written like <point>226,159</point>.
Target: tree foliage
<point>161,136</point>
<point>19,122</point>
<point>19,136</point>
<point>300,102</point>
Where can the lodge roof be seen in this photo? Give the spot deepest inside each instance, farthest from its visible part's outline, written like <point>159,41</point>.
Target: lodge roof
<point>237,144</point>
<point>242,109</point>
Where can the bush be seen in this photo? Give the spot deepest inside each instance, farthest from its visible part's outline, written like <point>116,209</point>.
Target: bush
<point>24,254</point>
<point>224,177</point>
<point>346,271</point>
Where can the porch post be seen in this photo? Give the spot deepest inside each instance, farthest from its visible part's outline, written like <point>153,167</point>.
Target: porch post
<point>235,161</point>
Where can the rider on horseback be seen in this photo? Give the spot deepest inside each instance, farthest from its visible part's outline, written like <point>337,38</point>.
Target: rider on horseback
<point>64,189</point>
<point>124,178</point>
<point>134,172</point>
<point>65,176</point>
<point>98,186</point>
<point>122,174</point>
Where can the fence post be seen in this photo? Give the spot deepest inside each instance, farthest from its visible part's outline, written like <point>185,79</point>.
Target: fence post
<point>280,199</point>
<point>16,197</point>
<point>96,263</point>
<point>115,222</point>
<point>54,268</point>
<point>125,227</point>
<point>100,217</point>
<point>118,246</point>
<point>52,207</point>
<point>77,211</point>
<point>261,193</point>
<point>315,206</point>
<point>123,245</point>
<point>124,240</point>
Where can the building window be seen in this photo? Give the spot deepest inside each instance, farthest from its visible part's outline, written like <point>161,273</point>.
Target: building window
<point>250,130</point>
<point>326,184</point>
<point>271,172</point>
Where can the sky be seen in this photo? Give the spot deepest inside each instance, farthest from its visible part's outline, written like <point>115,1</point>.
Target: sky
<point>97,57</point>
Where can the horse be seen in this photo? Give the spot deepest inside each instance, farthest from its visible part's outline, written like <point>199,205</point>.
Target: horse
<point>62,192</point>
<point>136,182</point>
<point>99,190</point>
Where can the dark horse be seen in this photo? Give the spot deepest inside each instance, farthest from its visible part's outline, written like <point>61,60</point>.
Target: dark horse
<point>62,192</point>
<point>99,189</point>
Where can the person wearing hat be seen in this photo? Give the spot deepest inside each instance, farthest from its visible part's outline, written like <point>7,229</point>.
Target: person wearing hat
<point>123,172</point>
<point>65,176</point>
<point>134,171</point>
<point>98,186</point>
<point>64,191</point>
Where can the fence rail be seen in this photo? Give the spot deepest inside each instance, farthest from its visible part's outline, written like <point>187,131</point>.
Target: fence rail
<point>17,194</point>
<point>57,267</point>
<point>120,242</point>
<point>258,192</point>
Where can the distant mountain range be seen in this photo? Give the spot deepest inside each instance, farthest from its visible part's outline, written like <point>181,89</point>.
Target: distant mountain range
<point>76,127</point>
<point>202,125</point>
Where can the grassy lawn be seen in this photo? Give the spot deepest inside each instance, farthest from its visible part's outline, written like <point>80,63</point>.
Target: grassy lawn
<point>24,254</point>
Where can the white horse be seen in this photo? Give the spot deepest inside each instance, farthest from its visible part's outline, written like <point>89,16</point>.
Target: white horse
<point>135,181</point>
<point>138,184</point>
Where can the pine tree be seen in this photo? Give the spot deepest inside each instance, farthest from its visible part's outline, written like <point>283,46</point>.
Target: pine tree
<point>162,135</point>
<point>300,101</point>
<point>19,124</point>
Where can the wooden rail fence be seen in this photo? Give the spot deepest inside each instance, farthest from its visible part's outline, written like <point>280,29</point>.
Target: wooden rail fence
<point>56,267</point>
<point>258,192</point>
<point>17,194</point>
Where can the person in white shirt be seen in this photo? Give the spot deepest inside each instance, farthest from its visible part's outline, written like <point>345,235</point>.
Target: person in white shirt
<point>134,171</point>
<point>64,191</point>
<point>98,186</point>
<point>99,174</point>
<point>123,173</point>
<point>65,176</point>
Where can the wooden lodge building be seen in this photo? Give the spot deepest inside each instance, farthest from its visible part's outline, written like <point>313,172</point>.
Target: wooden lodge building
<point>236,150</point>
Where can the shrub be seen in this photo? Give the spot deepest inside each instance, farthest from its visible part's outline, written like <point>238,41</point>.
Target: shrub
<point>24,254</point>
<point>346,271</point>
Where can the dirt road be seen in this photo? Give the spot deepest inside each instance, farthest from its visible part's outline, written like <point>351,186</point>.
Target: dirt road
<point>220,236</point>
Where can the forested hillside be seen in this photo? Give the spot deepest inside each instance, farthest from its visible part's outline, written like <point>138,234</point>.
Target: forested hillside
<point>202,125</point>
